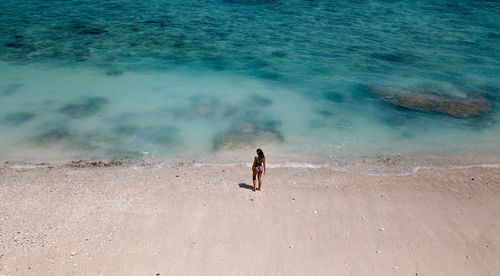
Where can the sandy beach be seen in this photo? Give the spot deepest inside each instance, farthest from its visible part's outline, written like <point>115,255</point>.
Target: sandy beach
<point>194,218</point>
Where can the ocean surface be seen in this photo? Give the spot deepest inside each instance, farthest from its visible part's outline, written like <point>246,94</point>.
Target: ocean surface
<point>187,79</point>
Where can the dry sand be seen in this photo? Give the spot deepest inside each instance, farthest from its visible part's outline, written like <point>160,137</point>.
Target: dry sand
<point>172,218</point>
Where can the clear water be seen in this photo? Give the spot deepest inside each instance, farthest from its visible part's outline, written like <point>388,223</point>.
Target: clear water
<point>138,79</point>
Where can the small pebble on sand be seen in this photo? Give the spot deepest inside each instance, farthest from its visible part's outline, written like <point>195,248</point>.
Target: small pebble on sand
<point>381,229</point>
<point>73,253</point>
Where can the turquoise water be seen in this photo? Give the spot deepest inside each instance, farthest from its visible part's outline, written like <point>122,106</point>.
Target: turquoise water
<point>130,79</point>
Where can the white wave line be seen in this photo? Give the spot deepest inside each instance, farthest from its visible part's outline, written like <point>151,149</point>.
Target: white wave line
<point>26,166</point>
<point>418,168</point>
<point>272,165</point>
<point>304,165</point>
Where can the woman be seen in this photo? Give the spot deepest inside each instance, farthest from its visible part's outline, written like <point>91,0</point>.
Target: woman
<point>259,166</point>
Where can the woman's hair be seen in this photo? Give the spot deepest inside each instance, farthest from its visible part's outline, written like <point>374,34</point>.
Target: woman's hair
<point>260,153</point>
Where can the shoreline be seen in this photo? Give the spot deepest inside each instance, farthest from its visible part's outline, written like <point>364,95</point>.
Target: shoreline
<point>195,218</point>
<point>377,165</point>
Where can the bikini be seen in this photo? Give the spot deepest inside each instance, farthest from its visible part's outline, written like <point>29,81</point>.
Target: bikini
<point>258,166</point>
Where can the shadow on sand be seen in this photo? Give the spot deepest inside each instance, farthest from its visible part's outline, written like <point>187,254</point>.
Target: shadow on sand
<point>246,186</point>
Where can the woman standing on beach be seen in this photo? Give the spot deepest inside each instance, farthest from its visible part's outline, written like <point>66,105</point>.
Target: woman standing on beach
<point>258,167</point>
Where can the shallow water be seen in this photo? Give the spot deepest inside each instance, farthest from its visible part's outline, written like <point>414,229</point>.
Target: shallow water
<point>120,79</point>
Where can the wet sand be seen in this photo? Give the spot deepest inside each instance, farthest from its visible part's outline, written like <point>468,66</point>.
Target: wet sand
<point>194,218</point>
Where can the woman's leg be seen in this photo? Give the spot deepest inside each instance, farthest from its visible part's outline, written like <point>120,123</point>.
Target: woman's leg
<point>254,178</point>
<point>260,180</point>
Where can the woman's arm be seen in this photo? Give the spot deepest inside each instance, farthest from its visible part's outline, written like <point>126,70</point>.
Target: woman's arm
<point>264,161</point>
